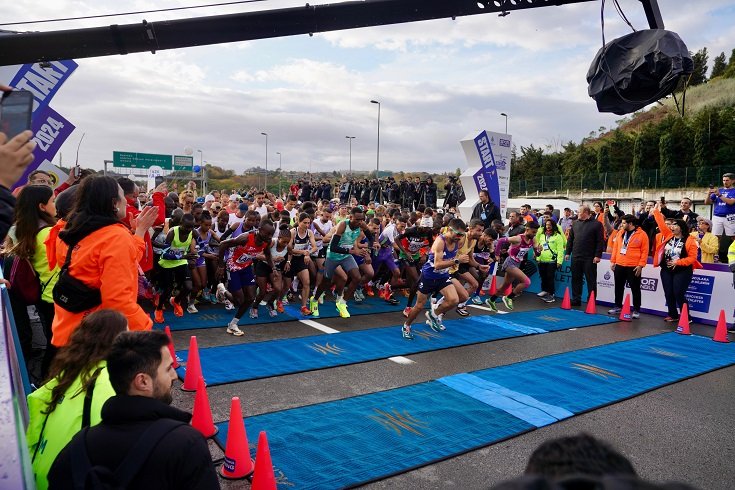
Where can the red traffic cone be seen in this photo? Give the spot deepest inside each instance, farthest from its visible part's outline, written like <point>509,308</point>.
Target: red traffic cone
<point>683,327</point>
<point>171,347</point>
<point>264,477</point>
<point>201,418</point>
<point>591,305</point>
<point>238,464</point>
<point>493,287</point>
<point>566,303</point>
<point>625,312</point>
<point>721,330</point>
<point>193,367</point>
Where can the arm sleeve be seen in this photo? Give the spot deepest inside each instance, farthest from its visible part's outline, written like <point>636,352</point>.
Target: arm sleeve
<point>334,245</point>
<point>645,247</point>
<point>62,187</point>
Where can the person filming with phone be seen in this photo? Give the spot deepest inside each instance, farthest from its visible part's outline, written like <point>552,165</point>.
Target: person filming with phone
<point>723,211</point>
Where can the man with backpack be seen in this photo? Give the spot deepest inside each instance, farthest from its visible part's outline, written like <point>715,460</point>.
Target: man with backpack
<point>142,441</point>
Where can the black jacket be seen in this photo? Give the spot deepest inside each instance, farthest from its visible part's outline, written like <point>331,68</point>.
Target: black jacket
<point>491,211</point>
<point>180,460</point>
<point>586,239</point>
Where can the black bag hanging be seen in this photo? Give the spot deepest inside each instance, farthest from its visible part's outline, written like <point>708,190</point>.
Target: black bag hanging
<point>72,294</point>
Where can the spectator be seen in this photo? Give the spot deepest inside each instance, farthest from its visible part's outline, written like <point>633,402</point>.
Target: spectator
<point>142,374</point>
<point>708,243</point>
<point>676,254</point>
<point>723,211</point>
<point>527,215</point>
<point>73,397</point>
<point>585,245</point>
<point>628,258</point>
<point>131,191</point>
<point>515,225</point>
<point>566,221</point>
<point>685,212</point>
<point>552,243</point>
<point>103,255</point>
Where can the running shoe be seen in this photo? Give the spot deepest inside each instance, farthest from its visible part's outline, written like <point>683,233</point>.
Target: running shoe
<point>476,299</point>
<point>156,298</point>
<point>314,307</point>
<point>272,312</point>
<point>253,313</point>
<point>158,316</point>
<point>549,299</point>
<point>359,295</point>
<point>192,309</point>
<point>234,329</point>
<point>387,291</point>
<point>407,311</point>
<point>305,311</point>
<point>433,321</point>
<point>392,301</point>
<point>508,302</point>
<point>491,304</point>
<point>406,332</point>
<point>542,294</point>
<point>614,311</point>
<point>635,314</point>
<point>178,310</point>
<point>279,307</point>
<point>671,319</point>
<point>342,309</point>
<point>441,322</point>
<point>369,290</point>
<point>463,311</point>
<point>229,305</point>
<point>220,294</point>
<point>321,299</point>
<point>284,300</point>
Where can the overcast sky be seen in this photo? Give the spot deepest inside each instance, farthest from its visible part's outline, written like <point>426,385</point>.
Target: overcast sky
<point>437,81</point>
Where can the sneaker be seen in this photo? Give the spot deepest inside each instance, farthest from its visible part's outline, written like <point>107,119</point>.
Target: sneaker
<point>234,329</point>
<point>279,307</point>
<point>406,311</point>
<point>305,311</point>
<point>406,332</point>
<point>158,316</point>
<point>635,314</point>
<point>491,304</point>
<point>314,307</point>
<point>358,300</point>
<point>433,321</point>
<point>462,311</point>
<point>178,310</point>
<point>284,300</point>
<point>476,299</point>
<point>156,298</point>
<point>253,313</point>
<point>369,290</point>
<point>342,309</point>
<point>272,312</point>
<point>359,296</point>
<point>614,311</point>
<point>387,291</point>
<point>441,322</point>
<point>321,299</point>
<point>229,305</point>
<point>671,319</point>
<point>392,301</point>
<point>549,299</point>
<point>220,294</point>
<point>542,294</point>
<point>192,309</point>
<point>508,302</point>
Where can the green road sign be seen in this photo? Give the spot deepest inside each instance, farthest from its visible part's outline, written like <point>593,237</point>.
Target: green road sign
<point>142,160</point>
<point>183,163</point>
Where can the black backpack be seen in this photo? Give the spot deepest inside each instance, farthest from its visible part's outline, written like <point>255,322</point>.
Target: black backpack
<point>88,477</point>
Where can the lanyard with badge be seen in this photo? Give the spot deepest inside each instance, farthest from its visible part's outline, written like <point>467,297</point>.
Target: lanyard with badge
<point>483,215</point>
<point>626,239</point>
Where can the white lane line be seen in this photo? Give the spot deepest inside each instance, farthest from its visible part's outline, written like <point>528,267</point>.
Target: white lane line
<point>401,360</point>
<point>319,326</point>
<point>487,308</point>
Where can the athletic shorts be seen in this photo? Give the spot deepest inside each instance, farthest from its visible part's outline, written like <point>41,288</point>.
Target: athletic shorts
<point>416,264</point>
<point>385,258</point>
<point>241,278</point>
<point>297,265</point>
<point>433,286</point>
<point>347,264</point>
<point>510,263</point>
<point>262,269</point>
<point>724,224</point>
<point>322,253</point>
<point>359,259</point>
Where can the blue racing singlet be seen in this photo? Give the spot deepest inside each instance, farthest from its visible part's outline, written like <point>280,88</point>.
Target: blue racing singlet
<point>428,272</point>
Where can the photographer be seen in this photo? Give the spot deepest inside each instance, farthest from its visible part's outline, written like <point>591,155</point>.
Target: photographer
<point>455,193</point>
<point>404,191</point>
<point>393,191</point>
<point>419,192</point>
<point>376,194</point>
<point>431,193</point>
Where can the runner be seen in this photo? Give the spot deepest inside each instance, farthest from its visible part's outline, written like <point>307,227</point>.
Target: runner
<point>204,241</point>
<point>364,260</point>
<point>179,252</point>
<point>266,276</point>
<point>484,254</point>
<point>461,273</point>
<point>384,262</point>
<point>247,247</point>
<point>301,246</point>
<point>435,278</point>
<point>321,228</point>
<point>409,245</point>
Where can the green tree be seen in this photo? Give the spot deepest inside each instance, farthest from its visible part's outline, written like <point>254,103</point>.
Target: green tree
<point>718,66</point>
<point>699,75</point>
<point>635,169</point>
<point>667,158</point>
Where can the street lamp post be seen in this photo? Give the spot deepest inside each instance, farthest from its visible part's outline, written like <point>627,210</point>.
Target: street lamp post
<point>377,164</point>
<point>280,173</point>
<point>265,179</point>
<point>201,169</point>
<point>506,121</point>
<point>350,138</point>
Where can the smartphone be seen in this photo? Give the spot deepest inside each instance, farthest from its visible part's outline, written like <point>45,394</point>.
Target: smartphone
<point>158,180</point>
<point>76,171</point>
<point>663,200</point>
<point>16,108</point>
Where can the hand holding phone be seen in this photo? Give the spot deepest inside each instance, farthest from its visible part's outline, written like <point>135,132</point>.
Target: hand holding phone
<point>16,108</point>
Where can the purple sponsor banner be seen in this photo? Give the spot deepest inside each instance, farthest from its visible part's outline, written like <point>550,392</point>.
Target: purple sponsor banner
<point>43,81</point>
<point>479,179</point>
<point>50,131</point>
<point>489,171</point>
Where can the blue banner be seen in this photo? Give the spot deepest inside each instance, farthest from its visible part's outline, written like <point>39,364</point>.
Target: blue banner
<point>489,170</point>
<point>43,81</point>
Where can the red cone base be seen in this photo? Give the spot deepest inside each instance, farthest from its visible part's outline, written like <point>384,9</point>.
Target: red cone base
<point>566,303</point>
<point>625,313</point>
<point>591,305</point>
<point>238,464</point>
<point>683,327</point>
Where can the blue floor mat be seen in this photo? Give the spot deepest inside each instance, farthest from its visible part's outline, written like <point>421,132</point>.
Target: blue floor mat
<point>370,306</point>
<point>244,362</point>
<point>360,439</point>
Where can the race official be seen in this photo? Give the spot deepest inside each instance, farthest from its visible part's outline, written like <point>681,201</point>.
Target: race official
<point>629,254</point>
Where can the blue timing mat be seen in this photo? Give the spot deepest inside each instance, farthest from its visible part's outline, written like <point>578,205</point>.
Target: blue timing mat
<point>370,306</point>
<point>356,440</point>
<point>243,362</point>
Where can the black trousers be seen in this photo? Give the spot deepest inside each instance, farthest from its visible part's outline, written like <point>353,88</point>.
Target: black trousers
<point>623,274</point>
<point>583,268</point>
<point>675,285</point>
<point>547,272</point>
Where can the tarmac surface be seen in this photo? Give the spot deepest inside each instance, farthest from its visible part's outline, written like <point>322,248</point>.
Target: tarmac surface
<point>681,432</point>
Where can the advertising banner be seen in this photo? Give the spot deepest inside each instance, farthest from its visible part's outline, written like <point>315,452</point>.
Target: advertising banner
<point>488,157</point>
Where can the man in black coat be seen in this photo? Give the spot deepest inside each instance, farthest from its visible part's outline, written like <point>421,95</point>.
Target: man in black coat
<point>142,374</point>
<point>585,244</point>
<point>486,210</point>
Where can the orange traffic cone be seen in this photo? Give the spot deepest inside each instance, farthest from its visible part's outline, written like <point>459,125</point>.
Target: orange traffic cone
<point>683,327</point>
<point>238,464</point>
<point>591,305</point>
<point>721,330</point>
<point>625,313</point>
<point>566,303</point>
<point>201,418</point>
<point>193,367</point>
<point>263,478</point>
<point>493,287</point>
<point>171,347</point>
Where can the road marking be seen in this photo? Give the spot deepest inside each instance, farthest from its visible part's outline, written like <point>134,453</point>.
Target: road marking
<point>487,308</point>
<point>319,326</point>
<point>401,360</point>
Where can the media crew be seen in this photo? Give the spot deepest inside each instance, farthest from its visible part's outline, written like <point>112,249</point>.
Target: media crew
<point>627,260</point>
<point>486,210</point>
<point>455,193</point>
<point>676,254</point>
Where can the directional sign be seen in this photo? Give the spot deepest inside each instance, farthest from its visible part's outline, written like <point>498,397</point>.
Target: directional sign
<point>141,160</point>
<point>183,163</point>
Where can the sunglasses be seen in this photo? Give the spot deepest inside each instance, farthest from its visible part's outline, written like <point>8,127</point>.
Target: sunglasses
<point>458,233</point>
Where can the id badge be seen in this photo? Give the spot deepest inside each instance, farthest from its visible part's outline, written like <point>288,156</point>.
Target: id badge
<point>623,250</point>
<point>546,246</point>
<point>483,216</point>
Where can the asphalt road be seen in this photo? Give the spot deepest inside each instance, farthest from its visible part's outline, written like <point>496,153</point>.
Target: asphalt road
<point>681,432</point>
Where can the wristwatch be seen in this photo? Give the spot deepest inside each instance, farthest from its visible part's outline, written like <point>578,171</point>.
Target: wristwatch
<point>456,261</point>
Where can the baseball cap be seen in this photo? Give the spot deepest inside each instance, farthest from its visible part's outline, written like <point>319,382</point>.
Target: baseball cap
<point>235,197</point>
<point>243,207</point>
<point>209,198</point>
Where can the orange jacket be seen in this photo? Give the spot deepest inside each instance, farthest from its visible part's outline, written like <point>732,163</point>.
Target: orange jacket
<point>636,253</point>
<point>106,259</point>
<point>663,238</point>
